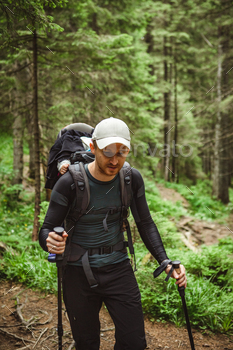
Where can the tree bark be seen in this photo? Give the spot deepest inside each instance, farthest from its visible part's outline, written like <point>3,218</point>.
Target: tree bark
<point>31,145</point>
<point>166,113</point>
<point>220,183</point>
<point>36,141</point>
<point>216,189</point>
<point>174,155</point>
<point>225,124</point>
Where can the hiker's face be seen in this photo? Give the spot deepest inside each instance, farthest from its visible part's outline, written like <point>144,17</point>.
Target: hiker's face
<point>110,159</point>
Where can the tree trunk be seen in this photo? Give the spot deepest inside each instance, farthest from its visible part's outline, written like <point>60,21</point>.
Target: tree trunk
<point>216,189</point>
<point>36,141</point>
<point>31,145</point>
<point>220,185</point>
<point>174,155</point>
<point>225,124</point>
<point>18,149</point>
<point>166,113</point>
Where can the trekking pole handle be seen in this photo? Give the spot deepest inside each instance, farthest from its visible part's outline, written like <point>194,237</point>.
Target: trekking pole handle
<point>58,230</point>
<point>176,265</point>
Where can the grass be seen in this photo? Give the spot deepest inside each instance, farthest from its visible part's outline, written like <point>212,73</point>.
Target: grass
<point>202,204</point>
<point>208,294</point>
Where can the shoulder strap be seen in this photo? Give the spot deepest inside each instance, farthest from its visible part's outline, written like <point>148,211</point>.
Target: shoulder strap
<point>126,198</point>
<point>126,183</point>
<point>79,176</point>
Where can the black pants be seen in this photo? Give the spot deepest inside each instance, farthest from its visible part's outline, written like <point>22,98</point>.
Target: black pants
<point>119,291</point>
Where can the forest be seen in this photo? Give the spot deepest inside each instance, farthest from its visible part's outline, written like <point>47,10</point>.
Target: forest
<point>166,69</point>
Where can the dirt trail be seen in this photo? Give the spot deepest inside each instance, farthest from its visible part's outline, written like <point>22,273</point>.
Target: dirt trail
<point>39,311</point>
<point>196,232</point>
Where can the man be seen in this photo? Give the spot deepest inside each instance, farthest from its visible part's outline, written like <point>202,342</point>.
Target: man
<point>116,283</point>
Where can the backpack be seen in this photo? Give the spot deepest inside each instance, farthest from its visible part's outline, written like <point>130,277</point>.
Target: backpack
<point>68,145</point>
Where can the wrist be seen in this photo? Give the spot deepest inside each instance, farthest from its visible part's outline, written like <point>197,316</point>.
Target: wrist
<point>166,262</point>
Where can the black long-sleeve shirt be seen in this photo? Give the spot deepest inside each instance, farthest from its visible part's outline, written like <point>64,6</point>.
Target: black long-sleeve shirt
<point>64,194</point>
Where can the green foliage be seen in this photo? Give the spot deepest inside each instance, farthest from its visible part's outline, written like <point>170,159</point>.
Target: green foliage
<point>30,267</point>
<point>6,163</point>
<point>202,204</point>
<point>43,210</point>
<point>24,261</point>
<point>16,225</point>
<point>8,193</point>
<point>210,279</point>
<point>214,263</point>
<point>208,296</point>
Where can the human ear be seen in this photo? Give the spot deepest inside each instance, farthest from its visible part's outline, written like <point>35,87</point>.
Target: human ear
<point>92,148</point>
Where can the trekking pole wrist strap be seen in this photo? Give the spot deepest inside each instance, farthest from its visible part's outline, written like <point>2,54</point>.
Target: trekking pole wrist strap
<point>162,267</point>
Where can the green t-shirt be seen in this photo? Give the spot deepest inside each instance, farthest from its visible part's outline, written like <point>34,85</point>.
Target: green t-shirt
<point>89,230</point>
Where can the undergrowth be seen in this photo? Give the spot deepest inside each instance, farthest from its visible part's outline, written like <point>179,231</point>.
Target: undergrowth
<point>202,204</point>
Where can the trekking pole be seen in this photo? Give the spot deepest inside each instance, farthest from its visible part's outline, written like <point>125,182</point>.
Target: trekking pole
<point>176,266</point>
<point>58,260</point>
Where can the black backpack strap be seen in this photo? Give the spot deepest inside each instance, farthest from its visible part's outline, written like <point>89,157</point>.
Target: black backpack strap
<point>82,191</point>
<point>126,198</point>
<point>88,272</point>
<point>79,176</point>
<point>82,201</point>
<point>126,182</point>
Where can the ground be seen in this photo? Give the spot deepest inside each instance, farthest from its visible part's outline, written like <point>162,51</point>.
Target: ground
<point>28,319</point>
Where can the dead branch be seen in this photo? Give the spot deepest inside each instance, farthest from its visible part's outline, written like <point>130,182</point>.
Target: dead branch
<point>49,336</point>
<point>15,336</point>
<point>10,325</point>
<point>19,313</point>
<point>43,311</point>
<point>36,319</point>
<point>48,320</point>
<point>41,334</point>
<point>24,348</point>
<point>107,329</point>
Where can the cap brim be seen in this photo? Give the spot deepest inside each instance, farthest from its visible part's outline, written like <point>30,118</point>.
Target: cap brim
<point>102,143</point>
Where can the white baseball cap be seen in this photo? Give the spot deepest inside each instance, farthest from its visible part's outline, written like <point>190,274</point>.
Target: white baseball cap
<point>111,130</point>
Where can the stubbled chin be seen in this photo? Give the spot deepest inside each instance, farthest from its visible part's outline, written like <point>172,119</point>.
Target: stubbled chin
<point>112,169</point>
